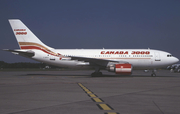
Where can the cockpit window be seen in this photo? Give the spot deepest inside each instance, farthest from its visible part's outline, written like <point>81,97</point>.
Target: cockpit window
<point>169,55</point>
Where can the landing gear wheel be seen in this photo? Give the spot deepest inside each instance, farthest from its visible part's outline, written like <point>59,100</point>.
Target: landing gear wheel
<point>94,74</point>
<point>153,74</point>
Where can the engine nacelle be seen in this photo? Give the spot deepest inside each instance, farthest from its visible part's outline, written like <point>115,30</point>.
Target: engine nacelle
<point>121,68</point>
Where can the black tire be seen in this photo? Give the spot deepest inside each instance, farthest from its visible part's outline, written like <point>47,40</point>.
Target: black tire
<point>153,75</point>
<point>96,74</point>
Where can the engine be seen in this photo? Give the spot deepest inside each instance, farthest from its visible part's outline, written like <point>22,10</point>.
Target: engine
<point>121,68</point>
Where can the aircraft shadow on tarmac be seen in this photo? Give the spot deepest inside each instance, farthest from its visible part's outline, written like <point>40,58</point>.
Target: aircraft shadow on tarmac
<point>82,75</point>
<point>89,75</point>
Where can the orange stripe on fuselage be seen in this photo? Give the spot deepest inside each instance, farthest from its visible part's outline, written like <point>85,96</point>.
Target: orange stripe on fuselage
<point>31,45</point>
<point>34,47</point>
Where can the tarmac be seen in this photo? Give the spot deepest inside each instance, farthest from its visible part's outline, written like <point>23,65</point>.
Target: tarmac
<point>76,92</point>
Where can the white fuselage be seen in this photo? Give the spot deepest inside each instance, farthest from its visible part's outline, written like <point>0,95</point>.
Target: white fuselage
<point>139,58</point>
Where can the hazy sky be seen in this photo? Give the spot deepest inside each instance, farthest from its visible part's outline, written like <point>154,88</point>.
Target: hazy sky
<point>93,24</point>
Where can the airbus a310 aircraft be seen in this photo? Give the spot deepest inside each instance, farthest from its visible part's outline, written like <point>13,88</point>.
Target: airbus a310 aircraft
<point>120,61</point>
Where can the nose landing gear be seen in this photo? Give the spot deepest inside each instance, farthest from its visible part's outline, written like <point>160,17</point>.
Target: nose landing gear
<point>153,73</point>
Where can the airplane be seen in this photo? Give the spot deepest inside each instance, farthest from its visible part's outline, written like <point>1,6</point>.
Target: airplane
<point>119,61</point>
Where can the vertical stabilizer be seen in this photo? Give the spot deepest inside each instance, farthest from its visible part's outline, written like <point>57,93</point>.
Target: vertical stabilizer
<point>26,39</point>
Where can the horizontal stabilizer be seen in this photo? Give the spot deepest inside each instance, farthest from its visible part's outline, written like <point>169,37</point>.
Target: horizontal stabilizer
<point>24,53</point>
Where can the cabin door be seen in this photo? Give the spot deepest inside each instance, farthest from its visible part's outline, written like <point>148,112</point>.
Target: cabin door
<point>157,56</point>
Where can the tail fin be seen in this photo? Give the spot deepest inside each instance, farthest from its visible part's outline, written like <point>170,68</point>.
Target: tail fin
<point>26,39</point>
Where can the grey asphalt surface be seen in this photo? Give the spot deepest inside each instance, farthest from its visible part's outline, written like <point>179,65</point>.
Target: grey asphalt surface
<point>64,92</point>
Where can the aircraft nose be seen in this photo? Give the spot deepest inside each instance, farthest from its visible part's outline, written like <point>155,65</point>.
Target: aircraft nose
<point>176,60</point>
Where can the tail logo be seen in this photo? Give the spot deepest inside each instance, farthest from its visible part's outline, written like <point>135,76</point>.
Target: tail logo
<point>20,31</point>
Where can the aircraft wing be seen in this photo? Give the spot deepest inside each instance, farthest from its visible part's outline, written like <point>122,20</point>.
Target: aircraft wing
<point>96,61</point>
<point>25,53</point>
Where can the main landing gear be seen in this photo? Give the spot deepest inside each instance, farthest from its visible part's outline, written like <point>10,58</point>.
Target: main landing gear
<point>97,72</point>
<point>153,73</point>
<point>94,74</point>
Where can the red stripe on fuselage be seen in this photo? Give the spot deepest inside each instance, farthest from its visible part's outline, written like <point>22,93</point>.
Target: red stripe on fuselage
<point>35,47</point>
